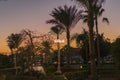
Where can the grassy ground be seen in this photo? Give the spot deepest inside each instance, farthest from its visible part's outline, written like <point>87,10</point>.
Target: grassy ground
<point>108,72</point>
<point>55,77</point>
<point>105,71</point>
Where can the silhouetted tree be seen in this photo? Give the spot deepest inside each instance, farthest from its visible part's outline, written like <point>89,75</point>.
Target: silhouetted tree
<point>67,17</point>
<point>4,61</point>
<point>82,42</point>
<point>57,30</point>
<point>98,11</point>
<point>29,37</point>
<point>46,48</point>
<point>115,50</point>
<point>89,7</point>
<point>105,45</point>
<point>14,41</point>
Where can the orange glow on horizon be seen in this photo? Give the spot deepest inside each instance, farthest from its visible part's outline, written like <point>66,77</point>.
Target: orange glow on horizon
<point>33,14</point>
<point>4,50</point>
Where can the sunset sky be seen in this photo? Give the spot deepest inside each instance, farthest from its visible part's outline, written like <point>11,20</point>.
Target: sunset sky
<point>16,15</point>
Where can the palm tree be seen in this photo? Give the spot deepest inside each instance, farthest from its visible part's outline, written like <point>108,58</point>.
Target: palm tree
<point>81,37</point>
<point>98,11</point>
<point>14,41</point>
<point>82,41</point>
<point>104,45</point>
<point>11,46</point>
<point>46,48</point>
<point>67,17</point>
<point>57,30</point>
<point>89,7</point>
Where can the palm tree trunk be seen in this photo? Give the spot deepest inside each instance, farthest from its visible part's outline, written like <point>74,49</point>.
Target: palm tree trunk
<point>91,44</point>
<point>86,52</point>
<point>15,64</point>
<point>91,54</point>
<point>98,44</point>
<point>68,45</point>
<point>59,60</point>
<point>15,61</point>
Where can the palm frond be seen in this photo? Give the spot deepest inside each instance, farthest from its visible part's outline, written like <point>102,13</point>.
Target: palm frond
<point>106,20</point>
<point>101,12</point>
<point>65,16</point>
<point>52,21</point>
<point>14,40</point>
<point>57,29</point>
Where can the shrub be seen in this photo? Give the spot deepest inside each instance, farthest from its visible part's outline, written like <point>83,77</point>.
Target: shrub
<point>2,77</point>
<point>50,68</point>
<point>21,78</point>
<point>78,75</point>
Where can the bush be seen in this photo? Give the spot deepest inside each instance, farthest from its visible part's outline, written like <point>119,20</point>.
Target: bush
<point>50,68</point>
<point>115,50</point>
<point>78,75</point>
<point>11,77</point>
<point>33,75</point>
<point>2,77</point>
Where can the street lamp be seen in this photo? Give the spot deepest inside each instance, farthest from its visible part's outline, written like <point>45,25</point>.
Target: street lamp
<point>58,41</point>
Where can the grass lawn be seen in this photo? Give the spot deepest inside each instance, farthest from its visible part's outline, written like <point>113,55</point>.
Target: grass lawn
<point>108,72</point>
<point>59,77</point>
<point>108,78</point>
<point>105,71</point>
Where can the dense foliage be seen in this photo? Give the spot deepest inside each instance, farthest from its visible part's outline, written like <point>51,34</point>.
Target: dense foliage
<point>116,51</point>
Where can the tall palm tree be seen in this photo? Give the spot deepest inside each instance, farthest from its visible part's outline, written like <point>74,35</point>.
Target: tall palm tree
<point>14,41</point>
<point>89,7</point>
<point>58,30</point>
<point>67,17</point>
<point>98,11</point>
